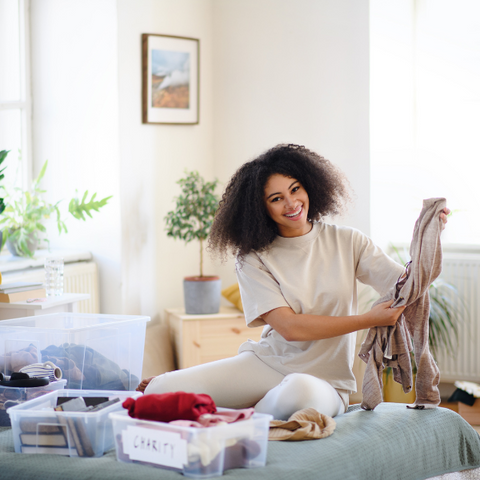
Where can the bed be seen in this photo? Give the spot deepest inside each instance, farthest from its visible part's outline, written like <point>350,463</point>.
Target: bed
<point>389,443</point>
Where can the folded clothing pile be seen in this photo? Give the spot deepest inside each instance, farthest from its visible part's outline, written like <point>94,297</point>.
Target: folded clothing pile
<point>83,367</point>
<point>183,409</point>
<point>466,392</point>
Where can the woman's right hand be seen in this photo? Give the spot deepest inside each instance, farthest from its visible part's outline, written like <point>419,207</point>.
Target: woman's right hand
<point>383,316</point>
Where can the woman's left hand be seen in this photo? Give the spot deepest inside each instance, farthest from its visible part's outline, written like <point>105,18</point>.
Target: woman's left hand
<point>443,216</point>
<point>143,384</point>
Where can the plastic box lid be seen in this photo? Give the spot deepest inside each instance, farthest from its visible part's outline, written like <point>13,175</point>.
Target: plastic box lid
<point>67,322</point>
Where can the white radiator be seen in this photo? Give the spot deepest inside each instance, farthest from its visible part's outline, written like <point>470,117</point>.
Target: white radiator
<point>462,270</point>
<point>79,277</point>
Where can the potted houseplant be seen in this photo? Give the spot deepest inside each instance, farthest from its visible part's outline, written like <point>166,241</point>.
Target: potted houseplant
<point>3,155</point>
<point>191,220</point>
<point>25,212</point>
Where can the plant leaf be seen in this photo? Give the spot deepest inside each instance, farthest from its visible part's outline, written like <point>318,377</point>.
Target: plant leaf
<point>79,208</point>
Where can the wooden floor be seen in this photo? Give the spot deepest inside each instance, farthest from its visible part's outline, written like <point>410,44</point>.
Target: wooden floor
<point>451,406</point>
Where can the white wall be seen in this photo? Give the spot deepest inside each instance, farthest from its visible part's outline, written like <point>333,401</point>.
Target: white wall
<point>154,157</point>
<point>87,122</point>
<point>293,71</point>
<point>271,71</point>
<point>75,124</point>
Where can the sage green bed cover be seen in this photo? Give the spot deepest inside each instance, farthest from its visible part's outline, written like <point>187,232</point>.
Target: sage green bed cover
<point>389,443</point>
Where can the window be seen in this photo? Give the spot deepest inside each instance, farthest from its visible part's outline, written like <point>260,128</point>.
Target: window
<point>15,101</point>
<point>425,121</point>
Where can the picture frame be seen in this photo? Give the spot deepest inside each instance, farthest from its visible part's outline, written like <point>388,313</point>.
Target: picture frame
<point>170,79</point>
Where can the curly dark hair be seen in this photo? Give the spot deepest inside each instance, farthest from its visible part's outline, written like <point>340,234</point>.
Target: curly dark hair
<point>242,223</point>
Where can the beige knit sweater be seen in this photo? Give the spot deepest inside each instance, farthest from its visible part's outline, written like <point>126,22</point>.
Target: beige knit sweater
<point>391,346</point>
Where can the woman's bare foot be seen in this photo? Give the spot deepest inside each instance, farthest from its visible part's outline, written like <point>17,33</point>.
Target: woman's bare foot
<point>143,384</point>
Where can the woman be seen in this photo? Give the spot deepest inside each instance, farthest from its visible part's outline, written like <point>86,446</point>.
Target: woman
<point>297,278</point>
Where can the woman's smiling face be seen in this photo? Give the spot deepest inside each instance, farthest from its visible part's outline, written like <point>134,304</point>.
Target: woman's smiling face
<point>287,205</point>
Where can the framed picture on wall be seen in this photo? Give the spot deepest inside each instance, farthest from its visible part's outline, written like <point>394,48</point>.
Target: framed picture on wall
<point>170,79</point>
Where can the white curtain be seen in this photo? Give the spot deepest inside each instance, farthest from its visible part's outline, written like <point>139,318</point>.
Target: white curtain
<point>425,115</point>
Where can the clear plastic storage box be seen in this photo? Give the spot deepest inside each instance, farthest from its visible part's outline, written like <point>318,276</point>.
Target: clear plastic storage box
<point>37,428</point>
<point>195,452</point>
<point>11,396</point>
<point>94,352</point>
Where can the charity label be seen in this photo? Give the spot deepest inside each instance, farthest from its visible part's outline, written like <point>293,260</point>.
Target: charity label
<point>155,446</point>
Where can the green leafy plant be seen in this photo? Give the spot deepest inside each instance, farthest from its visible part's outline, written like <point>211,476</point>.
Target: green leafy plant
<point>26,211</point>
<point>195,210</point>
<point>3,155</point>
<point>445,318</point>
<point>80,207</point>
<point>445,315</point>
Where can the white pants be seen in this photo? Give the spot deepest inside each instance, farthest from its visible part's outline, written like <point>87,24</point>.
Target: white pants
<point>245,381</point>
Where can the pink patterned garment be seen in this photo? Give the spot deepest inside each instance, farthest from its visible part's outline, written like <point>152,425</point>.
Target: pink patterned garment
<point>218,418</point>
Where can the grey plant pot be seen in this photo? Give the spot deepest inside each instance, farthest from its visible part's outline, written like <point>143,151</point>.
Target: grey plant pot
<point>202,295</point>
<point>32,245</point>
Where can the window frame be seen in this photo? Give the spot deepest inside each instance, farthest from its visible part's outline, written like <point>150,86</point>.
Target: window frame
<point>24,104</point>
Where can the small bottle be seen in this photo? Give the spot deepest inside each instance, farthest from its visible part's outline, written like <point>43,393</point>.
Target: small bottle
<point>54,276</point>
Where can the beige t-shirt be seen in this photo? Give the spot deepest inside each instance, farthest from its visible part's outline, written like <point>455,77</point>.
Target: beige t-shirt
<point>314,274</point>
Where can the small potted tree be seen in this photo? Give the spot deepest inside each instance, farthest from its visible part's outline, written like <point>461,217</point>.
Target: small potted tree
<point>191,220</point>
